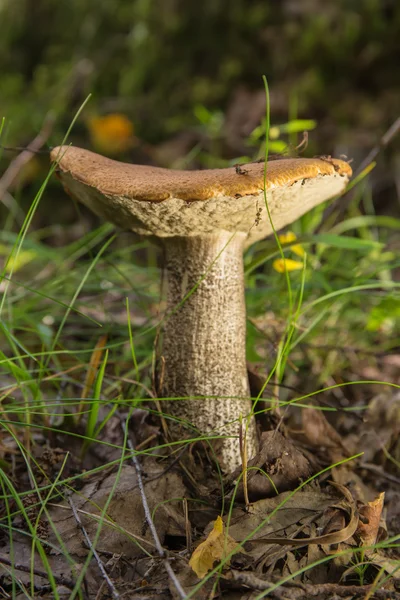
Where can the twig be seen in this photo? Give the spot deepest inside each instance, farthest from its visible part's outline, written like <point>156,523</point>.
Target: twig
<point>243,455</point>
<point>143,444</point>
<point>343,201</point>
<point>249,579</point>
<point>150,522</point>
<point>379,472</point>
<point>69,583</point>
<point>26,155</point>
<point>188,527</point>
<point>102,569</point>
<point>170,466</point>
<point>105,521</point>
<point>27,148</point>
<point>300,148</point>
<point>383,142</point>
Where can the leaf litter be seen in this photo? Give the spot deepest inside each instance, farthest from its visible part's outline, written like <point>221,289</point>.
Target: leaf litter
<point>278,535</point>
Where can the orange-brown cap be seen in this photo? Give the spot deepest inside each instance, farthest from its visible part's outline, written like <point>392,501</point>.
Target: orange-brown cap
<point>168,202</point>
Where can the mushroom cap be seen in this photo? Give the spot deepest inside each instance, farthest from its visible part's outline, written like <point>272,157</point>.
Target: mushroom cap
<point>165,202</point>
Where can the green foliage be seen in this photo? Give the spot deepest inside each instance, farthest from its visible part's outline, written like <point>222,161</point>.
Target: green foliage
<point>340,58</point>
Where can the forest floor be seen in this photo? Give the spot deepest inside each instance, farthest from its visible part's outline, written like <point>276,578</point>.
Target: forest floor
<point>96,503</point>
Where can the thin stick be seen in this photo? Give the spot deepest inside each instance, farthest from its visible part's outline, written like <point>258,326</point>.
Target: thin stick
<point>243,455</point>
<point>58,579</point>
<point>102,569</point>
<point>150,522</point>
<point>26,155</point>
<point>251,580</point>
<point>170,466</point>
<point>379,472</point>
<point>383,142</point>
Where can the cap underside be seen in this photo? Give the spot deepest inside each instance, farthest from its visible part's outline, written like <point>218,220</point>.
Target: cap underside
<point>164,202</point>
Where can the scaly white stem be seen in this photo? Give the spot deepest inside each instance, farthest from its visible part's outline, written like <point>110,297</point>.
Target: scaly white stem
<point>204,343</point>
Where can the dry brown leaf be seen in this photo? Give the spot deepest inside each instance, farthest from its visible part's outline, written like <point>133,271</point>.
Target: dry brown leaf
<point>288,513</point>
<point>283,467</point>
<point>216,546</point>
<point>368,526</point>
<point>328,538</point>
<point>294,518</point>
<point>123,530</point>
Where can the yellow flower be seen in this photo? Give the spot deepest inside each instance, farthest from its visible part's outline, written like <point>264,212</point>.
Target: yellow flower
<point>298,249</point>
<point>112,133</point>
<point>286,264</point>
<point>287,238</point>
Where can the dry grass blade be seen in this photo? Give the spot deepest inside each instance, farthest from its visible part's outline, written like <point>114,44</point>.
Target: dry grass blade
<point>92,369</point>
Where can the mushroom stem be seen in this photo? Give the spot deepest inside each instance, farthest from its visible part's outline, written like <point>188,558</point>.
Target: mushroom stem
<point>205,339</point>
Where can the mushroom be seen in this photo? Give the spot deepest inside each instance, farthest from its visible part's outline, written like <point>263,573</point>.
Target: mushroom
<point>205,220</point>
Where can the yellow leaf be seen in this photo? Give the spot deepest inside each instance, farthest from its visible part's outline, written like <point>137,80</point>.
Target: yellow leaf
<point>291,265</point>
<point>217,545</point>
<point>111,133</point>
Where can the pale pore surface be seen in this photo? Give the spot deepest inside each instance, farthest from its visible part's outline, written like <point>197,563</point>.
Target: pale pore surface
<point>176,217</point>
<point>204,347</point>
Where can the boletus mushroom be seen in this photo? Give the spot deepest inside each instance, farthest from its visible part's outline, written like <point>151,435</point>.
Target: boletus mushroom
<point>205,219</point>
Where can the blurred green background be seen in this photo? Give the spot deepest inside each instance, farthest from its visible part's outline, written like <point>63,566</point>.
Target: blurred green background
<point>187,75</point>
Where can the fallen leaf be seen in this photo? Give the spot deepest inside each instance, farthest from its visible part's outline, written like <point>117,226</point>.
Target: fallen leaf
<point>370,516</point>
<point>124,529</point>
<point>217,545</point>
<point>334,537</point>
<point>288,520</point>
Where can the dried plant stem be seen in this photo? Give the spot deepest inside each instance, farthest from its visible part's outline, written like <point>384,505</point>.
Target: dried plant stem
<point>102,569</point>
<point>69,583</point>
<point>150,522</point>
<point>26,155</point>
